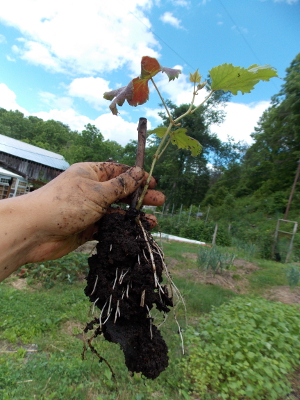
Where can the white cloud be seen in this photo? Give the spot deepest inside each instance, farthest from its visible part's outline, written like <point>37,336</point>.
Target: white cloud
<point>240,121</point>
<point>181,3</point>
<point>116,128</point>
<point>91,90</point>
<point>168,18</point>
<point>179,91</point>
<point>291,2</point>
<point>239,29</point>
<point>8,99</point>
<point>82,37</point>
<point>2,38</point>
<point>53,101</point>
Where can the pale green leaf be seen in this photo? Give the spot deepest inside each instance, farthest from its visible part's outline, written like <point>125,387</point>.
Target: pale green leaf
<point>183,141</point>
<point>195,77</point>
<point>230,78</point>
<point>160,132</point>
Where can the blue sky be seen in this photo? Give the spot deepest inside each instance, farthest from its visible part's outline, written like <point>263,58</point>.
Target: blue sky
<point>58,57</point>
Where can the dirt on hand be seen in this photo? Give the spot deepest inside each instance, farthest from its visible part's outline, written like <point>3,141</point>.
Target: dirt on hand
<point>124,283</point>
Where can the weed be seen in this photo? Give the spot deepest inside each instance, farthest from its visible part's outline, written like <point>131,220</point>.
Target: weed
<point>66,269</point>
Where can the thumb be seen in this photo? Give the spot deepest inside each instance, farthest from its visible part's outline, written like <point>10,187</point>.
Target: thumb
<point>123,185</point>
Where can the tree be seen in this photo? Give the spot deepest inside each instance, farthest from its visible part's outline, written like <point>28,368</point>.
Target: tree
<point>270,163</point>
<point>185,178</point>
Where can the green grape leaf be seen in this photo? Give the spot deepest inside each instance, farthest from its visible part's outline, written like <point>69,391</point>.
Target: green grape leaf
<point>183,141</point>
<point>230,78</point>
<point>160,131</point>
<point>195,77</point>
<point>137,90</point>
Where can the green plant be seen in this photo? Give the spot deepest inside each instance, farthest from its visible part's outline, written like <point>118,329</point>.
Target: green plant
<point>66,269</point>
<point>244,350</point>
<point>224,77</point>
<point>293,275</point>
<point>213,260</point>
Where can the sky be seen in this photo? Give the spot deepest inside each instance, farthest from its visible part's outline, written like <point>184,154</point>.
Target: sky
<point>58,57</point>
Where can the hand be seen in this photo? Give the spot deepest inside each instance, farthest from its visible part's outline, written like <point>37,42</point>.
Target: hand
<point>57,218</point>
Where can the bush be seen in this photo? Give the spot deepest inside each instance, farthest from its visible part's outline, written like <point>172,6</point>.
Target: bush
<point>66,269</point>
<point>244,350</point>
<point>195,229</point>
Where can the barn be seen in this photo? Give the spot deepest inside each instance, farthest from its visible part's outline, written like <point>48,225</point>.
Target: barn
<point>23,166</point>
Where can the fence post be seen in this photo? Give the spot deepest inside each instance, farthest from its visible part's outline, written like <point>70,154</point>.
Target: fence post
<point>190,214</point>
<point>180,213</point>
<point>207,215</point>
<point>215,235</point>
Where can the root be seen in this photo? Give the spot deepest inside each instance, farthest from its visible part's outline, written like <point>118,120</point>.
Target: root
<point>94,351</point>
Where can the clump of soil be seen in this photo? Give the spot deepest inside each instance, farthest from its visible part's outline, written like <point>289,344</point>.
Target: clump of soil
<point>124,282</point>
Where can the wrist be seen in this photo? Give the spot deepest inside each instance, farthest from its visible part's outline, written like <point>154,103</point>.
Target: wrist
<point>18,233</point>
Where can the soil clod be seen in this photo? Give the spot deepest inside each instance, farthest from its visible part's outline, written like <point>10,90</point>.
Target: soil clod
<point>124,282</point>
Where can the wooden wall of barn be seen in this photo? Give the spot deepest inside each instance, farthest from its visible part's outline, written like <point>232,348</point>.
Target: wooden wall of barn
<point>28,169</point>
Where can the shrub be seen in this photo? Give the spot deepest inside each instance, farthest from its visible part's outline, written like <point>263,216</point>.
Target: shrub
<point>244,350</point>
<point>66,269</point>
<point>293,275</point>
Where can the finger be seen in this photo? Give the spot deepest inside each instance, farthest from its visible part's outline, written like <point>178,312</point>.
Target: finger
<point>109,170</point>
<point>151,220</point>
<point>152,198</point>
<point>149,217</point>
<point>121,186</point>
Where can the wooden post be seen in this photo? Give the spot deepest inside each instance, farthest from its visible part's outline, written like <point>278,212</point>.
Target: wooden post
<point>215,235</point>
<point>291,243</point>
<point>140,154</point>
<point>207,215</point>
<point>292,191</point>
<point>190,214</point>
<point>180,213</point>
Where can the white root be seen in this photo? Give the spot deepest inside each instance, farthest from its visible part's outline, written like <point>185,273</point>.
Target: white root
<point>122,276</point>
<point>109,305</point>
<point>95,284</point>
<point>150,318</point>
<point>110,247</point>
<point>142,303</point>
<point>115,279</point>
<point>100,316</point>
<point>117,312</point>
<point>93,309</point>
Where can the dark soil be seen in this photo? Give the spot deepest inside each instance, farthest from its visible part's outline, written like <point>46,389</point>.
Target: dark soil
<point>122,284</point>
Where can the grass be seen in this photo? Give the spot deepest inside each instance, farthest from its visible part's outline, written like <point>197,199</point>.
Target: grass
<point>53,319</point>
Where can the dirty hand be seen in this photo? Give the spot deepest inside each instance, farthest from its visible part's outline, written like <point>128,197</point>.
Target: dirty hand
<point>60,216</point>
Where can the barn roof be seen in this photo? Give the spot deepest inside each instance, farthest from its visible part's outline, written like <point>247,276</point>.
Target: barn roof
<point>32,153</point>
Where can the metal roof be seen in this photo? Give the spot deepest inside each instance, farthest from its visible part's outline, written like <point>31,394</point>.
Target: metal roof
<point>33,153</point>
<point>9,173</point>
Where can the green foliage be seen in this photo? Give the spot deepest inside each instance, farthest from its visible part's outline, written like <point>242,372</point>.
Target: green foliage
<point>244,350</point>
<point>293,275</point>
<point>195,229</point>
<point>213,260</point>
<point>66,269</point>
<point>229,78</point>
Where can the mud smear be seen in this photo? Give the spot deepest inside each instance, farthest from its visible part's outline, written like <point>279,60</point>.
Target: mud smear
<point>124,282</point>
